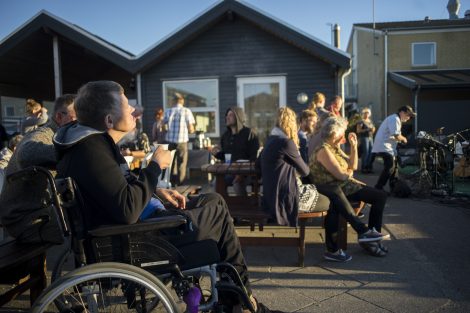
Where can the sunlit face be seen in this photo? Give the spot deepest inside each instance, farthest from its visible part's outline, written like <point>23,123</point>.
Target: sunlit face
<point>337,104</point>
<point>365,115</point>
<point>124,120</point>
<point>66,115</point>
<point>309,124</point>
<point>230,119</point>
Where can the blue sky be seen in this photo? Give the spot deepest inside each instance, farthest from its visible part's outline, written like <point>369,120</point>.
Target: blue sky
<point>137,25</point>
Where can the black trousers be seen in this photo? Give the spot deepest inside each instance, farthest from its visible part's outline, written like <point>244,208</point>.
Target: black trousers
<point>178,171</point>
<point>340,206</point>
<point>390,171</point>
<point>211,220</point>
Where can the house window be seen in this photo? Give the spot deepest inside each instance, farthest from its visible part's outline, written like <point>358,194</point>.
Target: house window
<point>423,53</point>
<point>201,97</point>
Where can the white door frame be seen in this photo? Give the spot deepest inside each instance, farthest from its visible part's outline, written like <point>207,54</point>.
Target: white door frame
<point>281,80</point>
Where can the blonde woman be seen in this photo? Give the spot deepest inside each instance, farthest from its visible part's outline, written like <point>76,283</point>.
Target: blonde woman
<point>35,115</point>
<point>281,166</point>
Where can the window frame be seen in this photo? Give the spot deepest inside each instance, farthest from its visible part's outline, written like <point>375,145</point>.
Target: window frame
<point>434,55</point>
<point>214,109</point>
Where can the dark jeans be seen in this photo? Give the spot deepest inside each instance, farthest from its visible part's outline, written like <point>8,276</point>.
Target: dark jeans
<point>366,152</point>
<point>390,171</point>
<point>340,206</point>
<point>211,220</point>
<point>178,172</point>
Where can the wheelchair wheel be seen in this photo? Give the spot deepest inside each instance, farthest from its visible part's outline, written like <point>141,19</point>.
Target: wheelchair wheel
<point>106,287</point>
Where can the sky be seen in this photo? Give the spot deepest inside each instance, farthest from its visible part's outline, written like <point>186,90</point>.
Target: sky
<point>136,25</point>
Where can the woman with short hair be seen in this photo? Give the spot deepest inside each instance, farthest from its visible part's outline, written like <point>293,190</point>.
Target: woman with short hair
<point>331,170</point>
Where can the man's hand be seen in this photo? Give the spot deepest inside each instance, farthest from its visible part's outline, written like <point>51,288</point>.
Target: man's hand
<point>162,157</point>
<point>215,149</point>
<point>172,196</point>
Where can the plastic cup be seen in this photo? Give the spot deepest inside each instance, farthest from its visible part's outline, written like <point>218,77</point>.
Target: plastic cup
<point>228,158</point>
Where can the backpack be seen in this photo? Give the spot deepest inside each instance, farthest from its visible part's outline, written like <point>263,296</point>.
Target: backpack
<point>401,189</point>
<point>29,207</point>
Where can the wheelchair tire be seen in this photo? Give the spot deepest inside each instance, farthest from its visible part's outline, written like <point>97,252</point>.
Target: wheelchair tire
<point>106,287</point>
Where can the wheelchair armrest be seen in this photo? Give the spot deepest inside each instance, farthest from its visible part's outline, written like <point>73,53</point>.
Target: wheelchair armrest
<point>157,223</point>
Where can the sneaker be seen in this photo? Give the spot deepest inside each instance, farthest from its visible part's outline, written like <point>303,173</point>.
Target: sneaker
<point>384,236</point>
<point>338,256</point>
<point>370,235</point>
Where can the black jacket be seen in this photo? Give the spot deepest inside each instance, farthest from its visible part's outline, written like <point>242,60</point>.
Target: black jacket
<point>280,160</point>
<point>243,144</point>
<point>112,195</point>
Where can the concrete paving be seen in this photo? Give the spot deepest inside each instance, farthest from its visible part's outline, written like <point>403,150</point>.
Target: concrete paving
<point>426,270</point>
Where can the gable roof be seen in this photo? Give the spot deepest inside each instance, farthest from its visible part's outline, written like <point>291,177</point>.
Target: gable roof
<point>226,9</point>
<point>417,25</point>
<point>51,23</point>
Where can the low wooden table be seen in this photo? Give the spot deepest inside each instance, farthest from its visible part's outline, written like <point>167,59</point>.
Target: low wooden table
<point>239,206</point>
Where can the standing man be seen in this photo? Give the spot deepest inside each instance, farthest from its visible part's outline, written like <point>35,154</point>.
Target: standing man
<point>239,141</point>
<point>180,123</point>
<point>385,145</point>
<point>308,119</point>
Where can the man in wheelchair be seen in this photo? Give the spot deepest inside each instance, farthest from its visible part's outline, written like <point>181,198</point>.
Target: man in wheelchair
<point>88,153</point>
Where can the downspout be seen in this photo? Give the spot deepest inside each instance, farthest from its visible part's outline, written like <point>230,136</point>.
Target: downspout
<point>340,73</point>
<point>139,89</point>
<point>57,69</point>
<point>416,92</point>
<point>385,74</point>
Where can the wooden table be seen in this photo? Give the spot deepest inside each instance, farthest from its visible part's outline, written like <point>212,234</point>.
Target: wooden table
<point>239,206</point>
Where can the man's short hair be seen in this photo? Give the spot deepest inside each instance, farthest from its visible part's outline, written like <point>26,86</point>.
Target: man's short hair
<point>63,102</point>
<point>306,114</point>
<point>407,109</point>
<point>177,96</point>
<point>95,100</point>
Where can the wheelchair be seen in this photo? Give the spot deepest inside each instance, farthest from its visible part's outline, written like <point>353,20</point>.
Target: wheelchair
<point>134,268</point>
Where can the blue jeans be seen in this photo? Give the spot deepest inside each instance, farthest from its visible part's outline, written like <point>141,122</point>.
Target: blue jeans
<point>366,152</point>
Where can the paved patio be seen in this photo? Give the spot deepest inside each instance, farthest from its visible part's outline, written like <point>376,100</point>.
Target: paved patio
<point>427,269</point>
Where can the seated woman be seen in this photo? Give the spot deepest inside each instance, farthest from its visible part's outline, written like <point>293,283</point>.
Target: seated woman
<point>332,172</point>
<point>281,167</point>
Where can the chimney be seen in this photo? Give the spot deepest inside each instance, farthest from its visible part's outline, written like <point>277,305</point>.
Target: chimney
<point>336,35</point>
<point>453,7</point>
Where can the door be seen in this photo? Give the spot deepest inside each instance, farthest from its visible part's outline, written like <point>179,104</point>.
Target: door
<point>260,97</point>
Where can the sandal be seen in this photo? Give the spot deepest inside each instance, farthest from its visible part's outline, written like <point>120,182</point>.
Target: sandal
<point>373,248</point>
<point>384,248</point>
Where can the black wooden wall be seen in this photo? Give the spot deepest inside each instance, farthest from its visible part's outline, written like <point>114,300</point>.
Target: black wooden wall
<point>234,48</point>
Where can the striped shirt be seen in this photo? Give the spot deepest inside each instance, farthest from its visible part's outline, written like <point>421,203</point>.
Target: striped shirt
<point>178,118</point>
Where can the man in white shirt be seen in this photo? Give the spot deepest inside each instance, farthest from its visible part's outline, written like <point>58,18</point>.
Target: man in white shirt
<point>385,144</point>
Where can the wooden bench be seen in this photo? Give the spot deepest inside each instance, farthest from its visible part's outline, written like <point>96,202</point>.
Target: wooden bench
<point>256,216</point>
<point>24,267</point>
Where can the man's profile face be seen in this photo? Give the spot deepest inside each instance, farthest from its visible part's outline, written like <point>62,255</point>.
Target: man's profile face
<point>404,116</point>
<point>66,115</point>
<point>230,119</point>
<point>337,104</point>
<point>124,121</point>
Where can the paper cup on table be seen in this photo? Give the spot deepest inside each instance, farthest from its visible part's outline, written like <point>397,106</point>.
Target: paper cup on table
<point>228,158</point>
<point>164,146</point>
